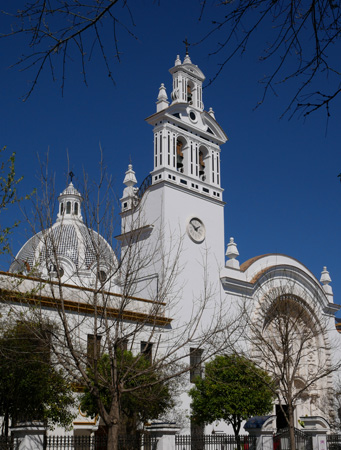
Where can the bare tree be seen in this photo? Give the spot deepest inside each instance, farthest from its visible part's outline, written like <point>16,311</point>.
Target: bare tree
<point>59,30</point>
<point>98,304</point>
<point>301,39</point>
<point>288,336</point>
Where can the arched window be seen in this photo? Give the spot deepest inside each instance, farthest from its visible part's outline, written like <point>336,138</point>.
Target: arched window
<point>55,271</point>
<point>201,164</point>
<point>68,208</point>
<point>102,276</point>
<point>179,156</point>
<point>189,93</point>
<point>76,209</point>
<point>62,208</point>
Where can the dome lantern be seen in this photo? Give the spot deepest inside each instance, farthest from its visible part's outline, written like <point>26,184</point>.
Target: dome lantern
<point>68,250</point>
<point>70,201</point>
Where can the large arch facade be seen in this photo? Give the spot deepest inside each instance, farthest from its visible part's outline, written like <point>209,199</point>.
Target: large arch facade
<point>290,326</point>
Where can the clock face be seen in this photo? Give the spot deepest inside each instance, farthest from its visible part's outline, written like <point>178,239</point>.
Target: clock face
<point>196,230</point>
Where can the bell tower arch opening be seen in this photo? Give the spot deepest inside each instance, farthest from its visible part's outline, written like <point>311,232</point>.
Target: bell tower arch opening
<point>203,163</point>
<point>181,154</point>
<point>190,92</point>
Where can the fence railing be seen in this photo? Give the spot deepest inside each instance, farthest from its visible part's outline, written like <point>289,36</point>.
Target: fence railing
<point>334,441</point>
<point>182,442</point>
<point>76,442</point>
<point>215,442</point>
<point>7,443</point>
<point>140,442</point>
<point>146,183</point>
<point>302,441</point>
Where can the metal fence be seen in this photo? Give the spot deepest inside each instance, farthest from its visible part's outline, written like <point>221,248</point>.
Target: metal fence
<point>146,183</point>
<point>334,441</point>
<point>215,442</point>
<point>75,442</point>
<point>141,442</point>
<point>8,443</point>
<point>302,441</point>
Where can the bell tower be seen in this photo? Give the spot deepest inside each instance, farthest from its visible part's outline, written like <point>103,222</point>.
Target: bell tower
<point>187,83</point>
<point>187,138</point>
<point>183,199</point>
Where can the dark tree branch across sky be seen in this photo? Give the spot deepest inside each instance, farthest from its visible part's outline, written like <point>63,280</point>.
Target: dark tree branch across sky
<point>298,41</point>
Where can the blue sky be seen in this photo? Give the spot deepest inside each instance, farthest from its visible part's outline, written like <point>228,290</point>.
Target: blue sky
<point>282,193</point>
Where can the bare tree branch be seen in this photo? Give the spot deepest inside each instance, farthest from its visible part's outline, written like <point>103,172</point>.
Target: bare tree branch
<point>57,28</point>
<point>302,41</point>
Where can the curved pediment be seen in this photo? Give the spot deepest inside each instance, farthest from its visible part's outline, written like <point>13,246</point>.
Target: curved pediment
<point>213,127</point>
<point>185,116</point>
<point>190,69</point>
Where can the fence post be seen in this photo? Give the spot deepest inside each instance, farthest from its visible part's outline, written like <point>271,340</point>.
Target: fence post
<point>165,433</point>
<point>262,428</point>
<point>29,435</point>
<point>318,428</point>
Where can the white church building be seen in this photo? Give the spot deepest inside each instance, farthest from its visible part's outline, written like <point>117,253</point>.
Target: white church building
<point>187,282</point>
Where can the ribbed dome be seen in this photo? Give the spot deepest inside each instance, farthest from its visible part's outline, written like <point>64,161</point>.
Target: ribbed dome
<point>71,190</point>
<point>67,244</point>
<point>73,241</point>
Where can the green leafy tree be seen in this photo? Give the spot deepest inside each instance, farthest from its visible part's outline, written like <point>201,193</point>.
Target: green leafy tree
<point>31,387</point>
<point>142,393</point>
<point>233,390</point>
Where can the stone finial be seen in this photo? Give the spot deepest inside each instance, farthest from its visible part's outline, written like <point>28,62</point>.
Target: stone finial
<point>177,61</point>
<point>325,277</point>
<point>162,99</point>
<point>187,59</point>
<point>130,179</point>
<point>232,253</point>
<point>129,192</point>
<point>211,113</point>
<point>162,93</point>
<point>325,280</point>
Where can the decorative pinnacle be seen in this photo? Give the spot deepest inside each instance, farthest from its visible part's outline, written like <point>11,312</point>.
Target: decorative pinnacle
<point>325,280</point>
<point>177,61</point>
<point>71,175</point>
<point>162,93</point>
<point>232,251</point>
<point>211,113</point>
<point>130,179</point>
<point>325,277</point>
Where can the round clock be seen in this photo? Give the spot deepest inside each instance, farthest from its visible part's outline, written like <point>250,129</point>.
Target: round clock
<point>196,230</point>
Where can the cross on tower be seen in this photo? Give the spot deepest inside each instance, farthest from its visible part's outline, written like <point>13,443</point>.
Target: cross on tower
<point>71,175</point>
<point>187,45</point>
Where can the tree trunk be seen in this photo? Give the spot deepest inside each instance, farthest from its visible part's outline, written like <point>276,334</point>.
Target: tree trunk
<point>112,437</point>
<point>291,427</point>
<point>6,422</point>
<point>236,428</point>
<point>113,423</point>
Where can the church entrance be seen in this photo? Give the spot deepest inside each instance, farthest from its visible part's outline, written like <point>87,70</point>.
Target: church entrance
<point>280,417</point>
